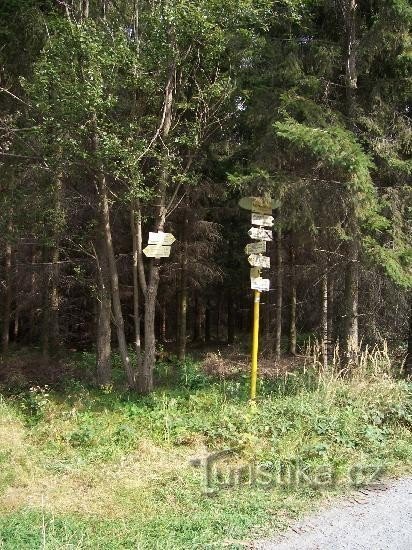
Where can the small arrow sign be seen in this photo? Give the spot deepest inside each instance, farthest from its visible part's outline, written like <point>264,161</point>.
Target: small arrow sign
<point>254,273</point>
<point>156,251</point>
<point>260,234</point>
<point>262,285</point>
<point>255,248</point>
<point>257,260</point>
<point>161,238</point>
<point>262,220</point>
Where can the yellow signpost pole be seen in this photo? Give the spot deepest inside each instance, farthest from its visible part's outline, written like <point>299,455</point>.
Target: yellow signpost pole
<point>255,345</point>
<point>261,208</point>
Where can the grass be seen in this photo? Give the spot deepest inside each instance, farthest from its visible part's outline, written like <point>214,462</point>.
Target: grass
<point>87,468</point>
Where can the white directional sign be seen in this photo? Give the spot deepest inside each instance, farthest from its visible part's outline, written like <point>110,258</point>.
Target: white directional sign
<point>260,284</point>
<point>156,251</point>
<point>262,220</point>
<point>261,234</point>
<point>255,248</point>
<point>257,260</point>
<point>161,238</point>
<point>254,272</point>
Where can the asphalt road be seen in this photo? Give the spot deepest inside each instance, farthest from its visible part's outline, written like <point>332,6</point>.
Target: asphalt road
<point>378,518</point>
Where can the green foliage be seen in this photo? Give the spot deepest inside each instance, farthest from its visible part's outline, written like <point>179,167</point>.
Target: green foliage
<point>191,376</point>
<point>397,262</point>
<point>92,78</point>
<point>322,151</point>
<point>336,148</point>
<point>77,80</point>
<point>34,403</point>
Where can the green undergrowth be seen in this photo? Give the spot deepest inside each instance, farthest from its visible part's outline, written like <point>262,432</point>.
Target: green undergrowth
<point>87,468</point>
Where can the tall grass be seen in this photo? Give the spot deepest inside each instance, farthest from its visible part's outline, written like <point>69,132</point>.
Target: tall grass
<point>374,361</point>
<point>88,468</point>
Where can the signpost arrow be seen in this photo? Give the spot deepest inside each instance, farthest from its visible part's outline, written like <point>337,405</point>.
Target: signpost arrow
<point>257,260</point>
<point>259,284</point>
<point>161,238</point>
<point>260,234</point>
<point>156,251</point>
<point>255,248</point>
<point>262,220</point>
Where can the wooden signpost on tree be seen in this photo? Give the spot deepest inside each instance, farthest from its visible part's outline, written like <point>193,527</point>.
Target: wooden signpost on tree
<point>261,208</point>
<point>160,238</point>
<point>159,245</point>
<point>156,251</point>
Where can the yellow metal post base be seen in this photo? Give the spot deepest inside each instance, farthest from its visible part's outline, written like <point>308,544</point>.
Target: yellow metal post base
<point>255,345</point>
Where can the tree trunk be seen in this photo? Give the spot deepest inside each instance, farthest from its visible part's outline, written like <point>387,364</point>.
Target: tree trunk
<point>17,296</point>
<point>33,292</point>
<point>7,297</point>
<point>146,381</point>
<point>279,295</point>
<point>85,8</point>
<point>55,269</point>
<point>218,318</point>
<point>324,320</point>
<point>331,340</point>
<point>293,302</point>
<point>230,319</point>
<point>55,299</point>
<point>163,332</point>
<point>51,301</point>
<point>207,323</point>
<point>45,333</point>
<point>104,9</point>
<point>181,344</point>
<point>135,221</point>
<point>16,327</point>
<point>349,11</point>
<point>104,312</point>
<point>350,338</point>
<point>267,311</point>
<point>114,280</point>
<point>139,275</point>
<point>177,312</point>
<point>197,319</point>
<point>246,320</point>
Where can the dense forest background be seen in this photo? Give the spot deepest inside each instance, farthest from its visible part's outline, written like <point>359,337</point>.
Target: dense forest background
<point>120,117</point>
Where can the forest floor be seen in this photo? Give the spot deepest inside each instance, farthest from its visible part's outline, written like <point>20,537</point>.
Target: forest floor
<point>193,465</point>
